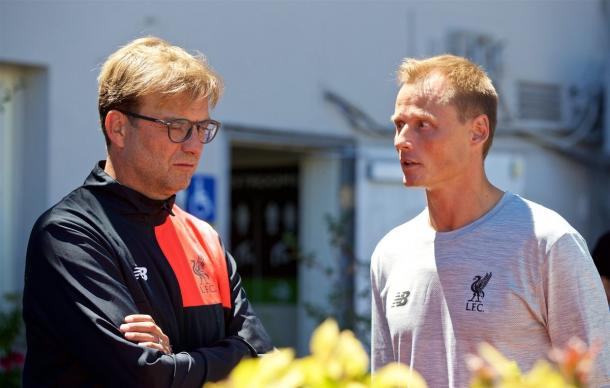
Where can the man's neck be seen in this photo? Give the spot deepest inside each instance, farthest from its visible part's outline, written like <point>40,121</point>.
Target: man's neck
<point>450,208</point>
<point>118,175</point>
<point>109,168</point>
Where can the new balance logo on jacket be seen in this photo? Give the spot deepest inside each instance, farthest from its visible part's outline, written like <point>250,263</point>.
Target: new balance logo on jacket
<point>140,273</point>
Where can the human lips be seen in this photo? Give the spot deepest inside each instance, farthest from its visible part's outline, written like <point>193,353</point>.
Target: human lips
<point>184,165</point>
<point>408,163</point>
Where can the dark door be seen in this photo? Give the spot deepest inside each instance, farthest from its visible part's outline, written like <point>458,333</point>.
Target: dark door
<point>264,231</point>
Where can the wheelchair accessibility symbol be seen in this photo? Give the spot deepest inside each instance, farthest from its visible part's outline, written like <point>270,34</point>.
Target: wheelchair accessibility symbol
<point>201,197</point>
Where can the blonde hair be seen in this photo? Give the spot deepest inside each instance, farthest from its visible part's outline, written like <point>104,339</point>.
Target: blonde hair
<point>151,65</point>
<point>471,91</point>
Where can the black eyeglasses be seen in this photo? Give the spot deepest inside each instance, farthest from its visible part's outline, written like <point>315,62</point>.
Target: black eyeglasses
<point>180,130</point>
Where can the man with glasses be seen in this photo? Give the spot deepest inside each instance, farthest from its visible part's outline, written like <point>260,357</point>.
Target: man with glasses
<point>122,287</point>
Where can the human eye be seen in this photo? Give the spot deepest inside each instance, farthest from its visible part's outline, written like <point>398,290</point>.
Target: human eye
<point>207,125</point>
<point>424,124</point>
<point>178,129</point>
<point>179,125</point>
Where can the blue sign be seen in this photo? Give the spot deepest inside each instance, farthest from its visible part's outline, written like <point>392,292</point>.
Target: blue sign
<point>201,197</point>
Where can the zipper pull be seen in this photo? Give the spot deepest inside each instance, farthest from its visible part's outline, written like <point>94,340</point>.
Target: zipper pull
<point>167,208</point>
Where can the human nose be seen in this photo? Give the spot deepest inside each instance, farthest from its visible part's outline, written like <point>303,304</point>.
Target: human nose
<point>403,138</point>
<point>192,144</point>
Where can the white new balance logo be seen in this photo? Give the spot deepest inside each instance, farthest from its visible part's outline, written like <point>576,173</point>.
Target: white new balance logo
<point>140,273</point>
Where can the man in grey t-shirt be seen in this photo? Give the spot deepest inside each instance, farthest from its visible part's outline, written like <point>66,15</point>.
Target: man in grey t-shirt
<point>478,264</point>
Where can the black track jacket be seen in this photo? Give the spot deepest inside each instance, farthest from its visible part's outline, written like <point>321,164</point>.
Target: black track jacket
<point>106,251</point>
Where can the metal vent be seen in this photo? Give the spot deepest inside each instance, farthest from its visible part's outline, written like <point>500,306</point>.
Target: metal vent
<point>539,101</point>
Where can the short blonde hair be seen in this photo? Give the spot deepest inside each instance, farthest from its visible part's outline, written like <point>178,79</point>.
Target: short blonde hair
<point>471,91</point>
<point>151,65</point>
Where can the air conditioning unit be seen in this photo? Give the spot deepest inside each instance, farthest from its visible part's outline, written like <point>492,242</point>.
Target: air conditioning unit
<point>539,105</point>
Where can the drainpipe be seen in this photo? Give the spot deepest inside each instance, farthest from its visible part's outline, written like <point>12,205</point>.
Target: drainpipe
<point>347,220</point>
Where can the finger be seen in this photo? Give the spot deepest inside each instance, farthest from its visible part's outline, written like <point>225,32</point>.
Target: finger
<point>163,338</point>
<point>157,345</point>
<point>138,318</point>
<point>147,327</point>
<point>167,346</point>
<point>141,337</point>
<point>142,328</point>
<point>152,345</point>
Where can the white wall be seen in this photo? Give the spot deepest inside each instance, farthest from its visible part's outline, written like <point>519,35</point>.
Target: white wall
<point>23,158</point>
<point>318,197</point>
<point>561,185</point>
<point>12,99</point>
<point>268,50</point>
<point>265,51</point>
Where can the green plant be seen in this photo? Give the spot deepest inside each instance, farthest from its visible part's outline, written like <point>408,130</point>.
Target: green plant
<point>12,344</point>
<point>340,299</point>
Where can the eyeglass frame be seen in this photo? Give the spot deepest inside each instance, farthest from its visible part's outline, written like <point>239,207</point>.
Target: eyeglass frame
<point>167,123</point>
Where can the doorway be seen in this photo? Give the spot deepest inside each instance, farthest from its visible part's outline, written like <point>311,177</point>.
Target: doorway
<point>272,173</point>
<point>264,234</point>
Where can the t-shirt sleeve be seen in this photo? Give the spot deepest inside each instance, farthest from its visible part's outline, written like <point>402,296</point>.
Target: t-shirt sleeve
<point>575,301</point>
<point>381,345</point>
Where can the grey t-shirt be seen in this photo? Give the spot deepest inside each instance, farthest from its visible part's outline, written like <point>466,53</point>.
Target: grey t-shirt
<point>520,278</point>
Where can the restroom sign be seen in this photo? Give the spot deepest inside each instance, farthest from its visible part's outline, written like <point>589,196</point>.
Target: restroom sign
<point>201,197</point>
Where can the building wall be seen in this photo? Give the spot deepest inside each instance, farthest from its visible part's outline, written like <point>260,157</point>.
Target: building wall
<point>267,50</point>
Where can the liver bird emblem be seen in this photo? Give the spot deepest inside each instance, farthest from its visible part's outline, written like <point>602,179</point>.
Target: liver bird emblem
<point>204,278</point>
<point>478,285</point>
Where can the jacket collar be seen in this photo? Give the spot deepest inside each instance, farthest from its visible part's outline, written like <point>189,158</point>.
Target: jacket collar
<point>127,200</point>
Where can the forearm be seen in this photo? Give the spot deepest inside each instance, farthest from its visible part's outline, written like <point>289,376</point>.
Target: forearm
<point>241,319</point>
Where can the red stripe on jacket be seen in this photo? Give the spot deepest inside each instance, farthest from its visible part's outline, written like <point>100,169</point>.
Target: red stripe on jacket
<point>193,250</point>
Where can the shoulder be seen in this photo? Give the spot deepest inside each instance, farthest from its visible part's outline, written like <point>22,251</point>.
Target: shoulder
<point>542,222</point>
<point>76,210</point>
<point>70,231</point>
<point>194,222</point>
<point>545,217</point>
<point>401,236</point>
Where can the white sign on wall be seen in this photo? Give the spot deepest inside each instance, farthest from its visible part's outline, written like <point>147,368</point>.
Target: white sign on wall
<point>504,170</point>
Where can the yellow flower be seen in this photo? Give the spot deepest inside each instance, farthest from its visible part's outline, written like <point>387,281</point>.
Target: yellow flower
<point>324,340</point>
<point>544,375</point>
<point>351,356</point>
<point>275,369</point>
<point>339,354</point>
<point>504,367</point>
<point>396,375</point>
<point>339,361</point>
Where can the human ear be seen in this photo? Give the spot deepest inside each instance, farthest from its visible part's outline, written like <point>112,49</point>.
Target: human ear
<point>115,123</point>
<point>479,129</point>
